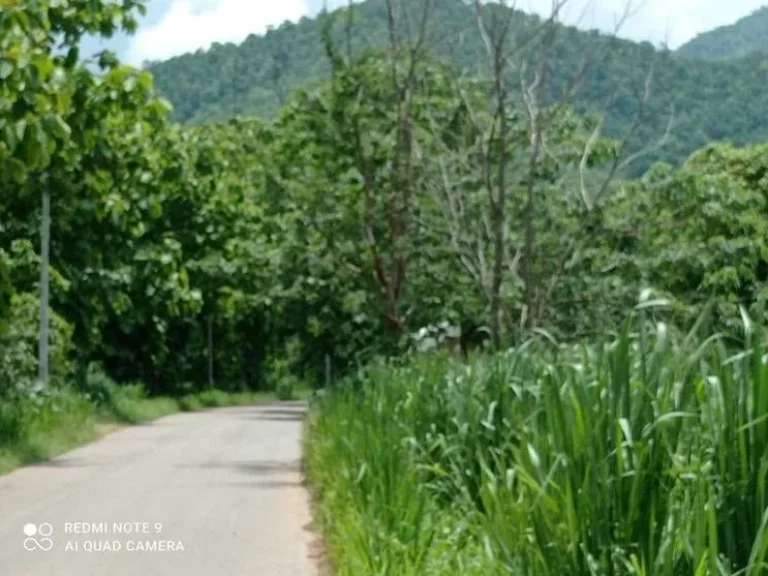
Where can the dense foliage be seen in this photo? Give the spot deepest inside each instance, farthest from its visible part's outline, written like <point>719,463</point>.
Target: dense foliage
<point>713,100</point>
<point>236,253</point>
<point>643,455</point>
<point>699,233</point>
<point>743,37</point>
<point>153,236</point>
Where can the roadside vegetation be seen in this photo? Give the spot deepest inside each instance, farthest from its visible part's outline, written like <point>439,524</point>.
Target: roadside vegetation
<point>44,424</point>
<point>643,453</point>
<point>133,281</point>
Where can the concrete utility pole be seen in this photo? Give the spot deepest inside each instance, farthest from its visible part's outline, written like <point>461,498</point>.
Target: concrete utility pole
<point>210,350</point>
<point>45,247</point>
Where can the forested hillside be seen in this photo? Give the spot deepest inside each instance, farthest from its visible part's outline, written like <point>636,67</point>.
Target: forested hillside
<point>749,34</point>
<point>713,100</point>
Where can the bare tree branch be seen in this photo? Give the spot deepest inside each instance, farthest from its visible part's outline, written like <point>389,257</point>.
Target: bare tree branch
<point>622,159</point>
<point>529,53</point>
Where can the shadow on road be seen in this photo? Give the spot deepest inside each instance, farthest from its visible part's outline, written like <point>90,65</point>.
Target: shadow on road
<point>276,417</point>
<point>256,468</point>
<point>63,462</point>
<point>278,414</point>
<point>264,484</point>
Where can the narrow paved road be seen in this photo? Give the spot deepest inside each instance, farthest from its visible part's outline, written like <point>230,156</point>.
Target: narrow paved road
<point>215,493</point>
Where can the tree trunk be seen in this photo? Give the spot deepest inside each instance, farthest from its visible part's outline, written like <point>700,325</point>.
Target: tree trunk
<point>45,245</point>
<point>210,351</point>
<point>498,205</point>
<point>499,241</point>
<point>529,275</point>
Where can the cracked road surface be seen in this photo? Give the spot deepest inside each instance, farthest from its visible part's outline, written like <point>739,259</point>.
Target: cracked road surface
<point>210,493</point>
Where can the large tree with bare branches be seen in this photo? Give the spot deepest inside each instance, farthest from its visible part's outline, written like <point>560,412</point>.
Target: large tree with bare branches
<point>388,194</point>
<point>527,141</point>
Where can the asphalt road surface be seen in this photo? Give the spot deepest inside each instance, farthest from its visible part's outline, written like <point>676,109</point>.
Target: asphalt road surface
<point>214,493</point>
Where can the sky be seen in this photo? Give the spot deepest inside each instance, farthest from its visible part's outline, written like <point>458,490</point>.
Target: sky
<point>174,27</point>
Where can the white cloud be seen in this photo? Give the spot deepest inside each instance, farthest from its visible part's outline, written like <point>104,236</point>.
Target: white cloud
<point>191,24</point>
<point>660,21</point>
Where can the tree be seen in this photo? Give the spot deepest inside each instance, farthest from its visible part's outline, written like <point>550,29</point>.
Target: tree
<point>405,62</point>
<point>698,234</point>
<point>36,94</point>
<point>526,141</point>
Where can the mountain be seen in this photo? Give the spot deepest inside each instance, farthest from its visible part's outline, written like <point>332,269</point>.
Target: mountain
<point>750,34</point>
<point>713,100</point>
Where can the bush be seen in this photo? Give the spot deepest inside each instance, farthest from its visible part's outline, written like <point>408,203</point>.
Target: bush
<point>285,388</point>
<point>97,386</point>
<point>35,420</point>
<point>190,403</point>
<point>19,348</point>
<point>6,291</point>
<point>129,403</point>
<point>206,399</point>
<point>282,370</point>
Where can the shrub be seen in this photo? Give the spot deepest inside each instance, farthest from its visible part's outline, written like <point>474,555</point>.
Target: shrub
<point>97,386</point>
<point>39,418</point>
<point>19,347</point>
<point>6,291</point>
<point>282,370</point>
<point>285,388</point>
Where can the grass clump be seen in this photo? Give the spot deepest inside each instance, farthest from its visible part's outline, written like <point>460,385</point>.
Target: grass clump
<point>645,454</point>
<point>285,388</point>
<point>124,403</point>
<point>39,426</point>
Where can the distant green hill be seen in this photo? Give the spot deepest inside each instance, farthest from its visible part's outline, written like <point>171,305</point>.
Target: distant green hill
<point>714,100</point>
<point>750,34</point>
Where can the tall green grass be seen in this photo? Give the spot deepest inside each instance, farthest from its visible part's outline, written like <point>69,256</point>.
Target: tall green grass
<point>39,426</point>
<point>644,454</point>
